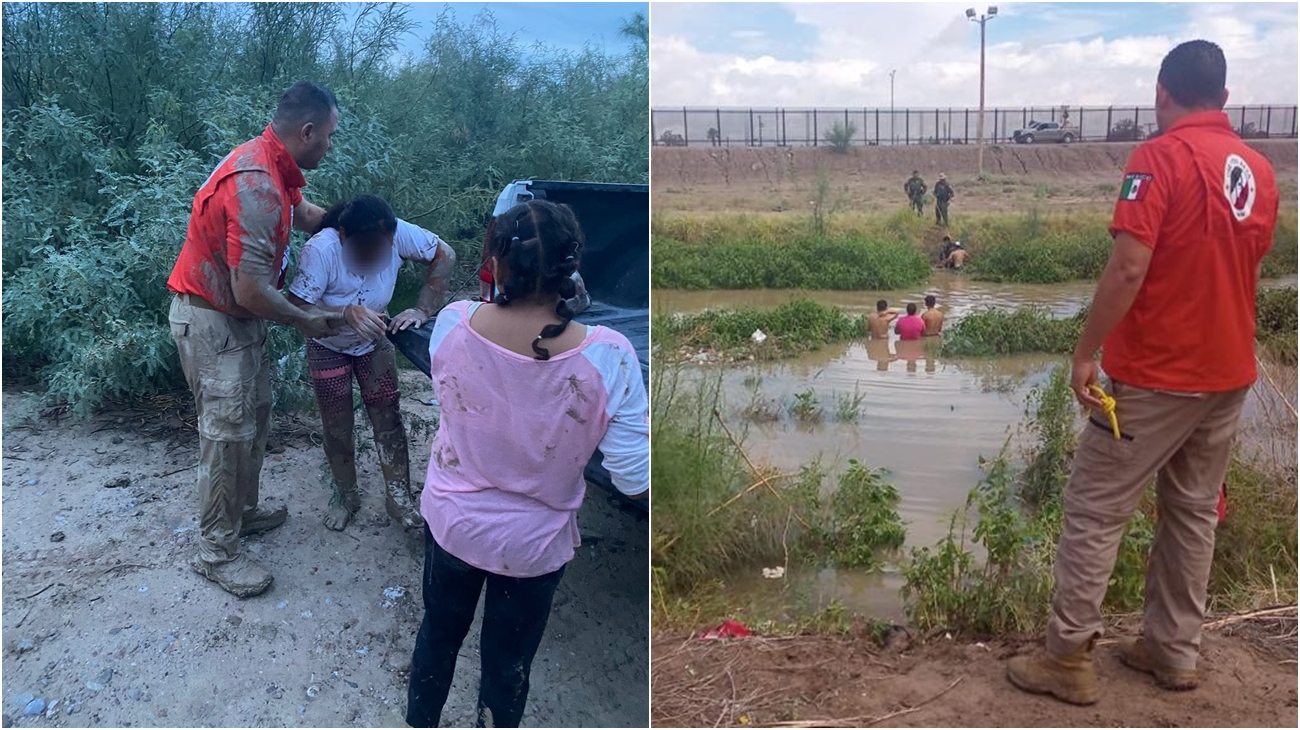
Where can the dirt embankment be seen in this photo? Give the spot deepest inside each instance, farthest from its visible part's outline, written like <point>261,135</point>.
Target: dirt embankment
<point>754,177</point>
<point>104,622</point>
<point>1247,680</point>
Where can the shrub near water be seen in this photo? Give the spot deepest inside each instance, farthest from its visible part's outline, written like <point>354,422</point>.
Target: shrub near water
<point>806,262</point>
<point>1276,323</point>
<point>991,332</point>
<point>796,326</point>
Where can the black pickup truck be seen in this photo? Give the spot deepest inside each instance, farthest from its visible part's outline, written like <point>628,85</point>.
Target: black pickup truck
<point>615,268</point>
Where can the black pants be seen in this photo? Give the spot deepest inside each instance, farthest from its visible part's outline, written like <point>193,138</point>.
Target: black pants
<point>514,618</point>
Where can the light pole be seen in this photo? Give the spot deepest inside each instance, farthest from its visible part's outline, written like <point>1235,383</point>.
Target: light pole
<point>971,15</point>
<point>892,139</point>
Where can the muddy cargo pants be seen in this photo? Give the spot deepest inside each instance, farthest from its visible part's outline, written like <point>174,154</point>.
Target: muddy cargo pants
<point>229,373</point>
<point>1185,439</point>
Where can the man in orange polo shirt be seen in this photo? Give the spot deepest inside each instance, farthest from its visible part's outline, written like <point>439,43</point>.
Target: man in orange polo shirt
<point>227,282</point>
<point>1195,217</point>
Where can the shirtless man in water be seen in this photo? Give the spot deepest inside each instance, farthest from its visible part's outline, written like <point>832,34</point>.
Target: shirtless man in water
<point>957,258</point>
<point>932,316</point>
<point>879,321</point>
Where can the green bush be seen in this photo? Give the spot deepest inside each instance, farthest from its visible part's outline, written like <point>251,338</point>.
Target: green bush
<point>797,326</point>
<point>996,332</point>
<point>115,113</point>
<point>845,263</point>
<point>840,136</point>
<point>1276,323</point>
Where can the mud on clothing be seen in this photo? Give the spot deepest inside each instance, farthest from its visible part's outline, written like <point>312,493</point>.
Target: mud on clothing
<point>376,375</point>
<point>324,279</point>
<point>505,477</point>
<point>1206,204</point>
<point>515,613</point>
<point>227,369</point>
<point>241,218</point>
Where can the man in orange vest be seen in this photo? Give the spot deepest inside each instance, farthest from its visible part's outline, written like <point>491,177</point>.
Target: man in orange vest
<point>1195,217</point>
<point>226,284</point>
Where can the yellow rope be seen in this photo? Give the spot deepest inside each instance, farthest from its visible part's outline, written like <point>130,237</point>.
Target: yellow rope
<point>1107,407</point>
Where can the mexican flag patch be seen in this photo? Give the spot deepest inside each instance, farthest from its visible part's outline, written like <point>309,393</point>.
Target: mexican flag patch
<point>1135,186</point>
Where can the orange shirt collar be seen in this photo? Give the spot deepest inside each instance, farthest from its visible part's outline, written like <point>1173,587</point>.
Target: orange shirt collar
<point>280,157</point>
<point>1204,119</point>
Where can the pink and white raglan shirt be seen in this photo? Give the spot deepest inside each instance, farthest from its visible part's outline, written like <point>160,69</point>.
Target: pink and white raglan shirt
<point>505,477</point>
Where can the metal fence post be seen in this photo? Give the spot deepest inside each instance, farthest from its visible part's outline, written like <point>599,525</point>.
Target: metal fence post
<point>907,127</point>
<point>1268,121</point>
<point>1110,112</point>
<point>877,127</point>
<point>686,132</point>
<point>653,139</point>
<point>717,117</point>
<point>750,141</point>
<point>814,129</point>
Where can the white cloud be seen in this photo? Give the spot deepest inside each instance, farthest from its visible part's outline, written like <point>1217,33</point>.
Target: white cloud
<point>930,45</point>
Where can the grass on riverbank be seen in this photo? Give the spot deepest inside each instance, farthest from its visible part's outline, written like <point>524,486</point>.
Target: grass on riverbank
<point>1015,515</point>
<point>999,332</point>
<point>1276,323</point>
<point>714,516</point>
<point>877,251</point>
<point>791,328</point>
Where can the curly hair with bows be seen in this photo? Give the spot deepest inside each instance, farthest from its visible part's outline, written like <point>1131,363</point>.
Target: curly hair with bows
<point>537,245</point>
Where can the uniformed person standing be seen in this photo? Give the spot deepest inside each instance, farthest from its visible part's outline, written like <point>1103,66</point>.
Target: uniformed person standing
<point>915,189</point>
<point>942,194</point>
<point>1195,217</point>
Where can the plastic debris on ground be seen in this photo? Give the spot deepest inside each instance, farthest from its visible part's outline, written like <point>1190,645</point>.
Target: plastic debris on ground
<point>726,630</point>
<point>775,573</point>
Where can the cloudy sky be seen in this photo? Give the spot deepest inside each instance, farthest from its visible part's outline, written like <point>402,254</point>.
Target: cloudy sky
<point>826,54</point>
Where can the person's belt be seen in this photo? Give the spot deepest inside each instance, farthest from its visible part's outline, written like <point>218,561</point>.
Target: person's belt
<point>197,301</point>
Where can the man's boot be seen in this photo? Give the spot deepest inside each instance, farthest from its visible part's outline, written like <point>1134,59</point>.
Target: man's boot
<point>241,577</point>
<point>259,519</point>
<point>1136,654</point>
<point>1071,678</point>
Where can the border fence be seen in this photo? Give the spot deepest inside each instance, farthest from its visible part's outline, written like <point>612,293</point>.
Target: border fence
<point>778,127</point>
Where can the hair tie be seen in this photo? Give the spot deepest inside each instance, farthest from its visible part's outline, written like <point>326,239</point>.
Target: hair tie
<point>568,258</point>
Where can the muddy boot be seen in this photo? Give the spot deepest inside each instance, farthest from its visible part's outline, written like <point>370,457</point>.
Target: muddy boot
<point>241,577</point>
<point>260,519</point>
<point>343,505</point>
<point>1135,654</point>
<point>1071,678</point>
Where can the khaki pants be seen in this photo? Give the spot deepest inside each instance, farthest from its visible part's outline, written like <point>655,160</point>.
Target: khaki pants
<point>1185,439</point>
<point>227,369</point>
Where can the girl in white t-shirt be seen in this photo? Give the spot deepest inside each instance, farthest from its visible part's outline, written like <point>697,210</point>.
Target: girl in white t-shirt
<point>350,266</point>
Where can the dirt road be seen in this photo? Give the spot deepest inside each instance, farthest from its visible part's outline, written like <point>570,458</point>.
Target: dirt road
<point>110,628</point>
<point>820,681</point>
<point>736,179</point>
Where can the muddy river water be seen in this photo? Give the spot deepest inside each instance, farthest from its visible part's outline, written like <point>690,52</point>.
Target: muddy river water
<point>925,419</point>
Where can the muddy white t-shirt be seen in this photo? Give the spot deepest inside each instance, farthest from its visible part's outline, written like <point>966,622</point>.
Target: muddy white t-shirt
<point>324,279</point>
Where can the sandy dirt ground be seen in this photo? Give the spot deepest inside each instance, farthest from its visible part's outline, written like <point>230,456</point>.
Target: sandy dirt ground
<point>1248,679</point>
<point>773,179</point>
<point>105,623</point>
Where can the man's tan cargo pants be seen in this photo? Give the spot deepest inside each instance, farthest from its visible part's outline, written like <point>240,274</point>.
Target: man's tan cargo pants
<point>1184,439</point>
<point>229,373</point>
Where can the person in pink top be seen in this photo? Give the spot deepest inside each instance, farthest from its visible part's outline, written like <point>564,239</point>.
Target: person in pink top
<point>911,327</point>
<point>526,398</point>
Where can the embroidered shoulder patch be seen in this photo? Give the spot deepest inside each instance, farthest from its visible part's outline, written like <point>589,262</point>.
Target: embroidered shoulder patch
<point>1135,186</point>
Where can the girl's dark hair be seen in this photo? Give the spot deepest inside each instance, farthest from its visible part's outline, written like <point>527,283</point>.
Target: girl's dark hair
<point>363,215</point>
<point>538,244</point>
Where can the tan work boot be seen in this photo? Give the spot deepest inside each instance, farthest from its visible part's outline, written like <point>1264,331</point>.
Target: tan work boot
<point>1071,678</point>
<point>241,577</point>
<point>344,504</point>
<point>258,520</point>
<point>400,508</point>
<point>1135,654</point>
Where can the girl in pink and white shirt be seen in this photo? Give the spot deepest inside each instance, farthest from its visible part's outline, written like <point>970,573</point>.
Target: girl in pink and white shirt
<point>527,397</point>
